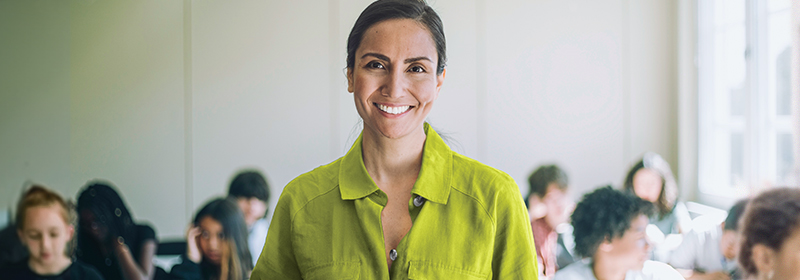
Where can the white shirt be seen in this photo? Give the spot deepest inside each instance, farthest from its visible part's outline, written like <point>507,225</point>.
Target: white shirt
<point>700,251</point>
<point>256,238</point>
<point>651,270</point>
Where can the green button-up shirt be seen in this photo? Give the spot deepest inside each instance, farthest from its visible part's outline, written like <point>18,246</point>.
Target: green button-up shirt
<point>472,225</point>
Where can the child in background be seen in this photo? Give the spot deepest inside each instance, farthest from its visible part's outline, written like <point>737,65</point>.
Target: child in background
<point>44,225</point>
<point>216,245</point>
<point>651,179</point>
<point>108,237</point>
<point>548,206</point>
<point>711,254</point>
<point>251,192</point>
<point>609,229</point>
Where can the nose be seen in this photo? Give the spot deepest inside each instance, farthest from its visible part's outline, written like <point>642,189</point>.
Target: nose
<point>213,242</point>
<point>395,85</point>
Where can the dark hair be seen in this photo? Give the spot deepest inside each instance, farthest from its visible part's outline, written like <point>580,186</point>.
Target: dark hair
<point>769,220</point>
<point>109,210</point>
<point>669,187</point>
<point>249,184</point>
<point>382,10</point>
<point>603,215</point>
<point>234,230</point>
<point>544,176</point>
<point>734,214</point>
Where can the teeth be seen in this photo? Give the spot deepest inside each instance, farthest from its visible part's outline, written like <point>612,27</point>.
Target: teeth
<point>393,110</point>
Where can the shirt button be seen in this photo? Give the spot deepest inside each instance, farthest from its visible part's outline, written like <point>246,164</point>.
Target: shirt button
<point>418,201</point>
<point>393,254</point>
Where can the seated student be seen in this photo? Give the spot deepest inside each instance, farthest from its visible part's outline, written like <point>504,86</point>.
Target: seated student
<point>711,253</point>
<point>251,192</point>
<point>216,246</point>
<point>43,225</point>
<point>770,233</point>
<point>651,179</point>
<point>108,237</point>
<point>609,228</point>
<point>548,206</point>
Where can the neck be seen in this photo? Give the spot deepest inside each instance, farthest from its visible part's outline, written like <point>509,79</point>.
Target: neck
<point>607,270</point>
<point>56,267</point>
<point>392,160</point>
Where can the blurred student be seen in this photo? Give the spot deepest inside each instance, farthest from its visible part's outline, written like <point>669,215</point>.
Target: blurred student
<point>548,207</point>
<point>251,192</point>
<point>108,237</point>
<point>609,228</point>
<point>770,229</point>
<point>651,179</point>
<point>711,253</point>
<point>44,225</point>
<point>216,245</point>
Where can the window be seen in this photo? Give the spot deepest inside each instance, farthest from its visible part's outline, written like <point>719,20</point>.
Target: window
<point>744,113</point>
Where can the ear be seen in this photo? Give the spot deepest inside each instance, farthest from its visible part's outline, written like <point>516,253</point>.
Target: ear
<point>606,246</point>
<point>350,81</point>
<point>19,234</point>
<point>70,231</point>
<point>764,258</point>
<point>722,226</point>
<point>440,81</point>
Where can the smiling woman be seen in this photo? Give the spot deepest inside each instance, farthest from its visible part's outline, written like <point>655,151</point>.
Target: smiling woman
<point>400,204</point>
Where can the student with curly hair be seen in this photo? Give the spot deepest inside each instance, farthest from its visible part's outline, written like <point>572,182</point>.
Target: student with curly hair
<point>609,229</point>
<point>770,247</point>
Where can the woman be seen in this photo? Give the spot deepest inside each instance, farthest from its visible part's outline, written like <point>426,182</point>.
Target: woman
<point>400,204</point>
<point>651,179</point>
<point>44,226</point>
<point>770,245</point>
<point>216,245</point>
<point>109,239</point>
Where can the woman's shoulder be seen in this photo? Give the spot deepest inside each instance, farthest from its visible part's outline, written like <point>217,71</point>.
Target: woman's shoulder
<point>313,183</point>
<point>470,175</point>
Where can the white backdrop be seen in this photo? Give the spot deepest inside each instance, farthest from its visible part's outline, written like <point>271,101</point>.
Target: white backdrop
<point>167,99</point>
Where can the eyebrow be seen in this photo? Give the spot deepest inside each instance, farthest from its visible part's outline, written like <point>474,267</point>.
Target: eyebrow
<point>407,61</point>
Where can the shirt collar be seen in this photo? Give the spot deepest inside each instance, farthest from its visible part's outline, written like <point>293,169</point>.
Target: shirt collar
<point>433,182</point>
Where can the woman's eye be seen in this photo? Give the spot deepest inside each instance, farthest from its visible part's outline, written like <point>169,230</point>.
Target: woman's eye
<point>375,64</point>
<point>417,69</point>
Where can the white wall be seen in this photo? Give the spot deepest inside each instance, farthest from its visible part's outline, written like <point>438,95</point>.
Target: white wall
<point>167,99</point>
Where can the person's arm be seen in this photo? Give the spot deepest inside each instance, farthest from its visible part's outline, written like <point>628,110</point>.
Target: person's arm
<point>132,270</point>
<point>277,260</point>
<point>695,275</point>
<point>514,254</point>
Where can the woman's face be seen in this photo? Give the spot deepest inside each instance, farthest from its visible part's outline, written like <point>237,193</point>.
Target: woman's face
<point>212,239</point>
<point>787,264</point>
<point>393,80</point>
<point>647,184</point>
<point>45,233</point>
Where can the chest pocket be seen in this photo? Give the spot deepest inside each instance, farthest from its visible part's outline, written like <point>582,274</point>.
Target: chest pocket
<point>334,270</point>
<point>427,270</point>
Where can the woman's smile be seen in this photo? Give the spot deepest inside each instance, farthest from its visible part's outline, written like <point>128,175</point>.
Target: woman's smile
<point>393,111</point>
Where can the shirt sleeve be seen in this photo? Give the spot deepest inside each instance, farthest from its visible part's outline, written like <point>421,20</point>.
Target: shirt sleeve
<point>683,257</point>
<point>514,251</point>
<point>277,260</point>
<point>186,270</point>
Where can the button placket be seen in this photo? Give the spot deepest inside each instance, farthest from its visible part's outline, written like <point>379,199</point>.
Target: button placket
<point>393,254</point>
